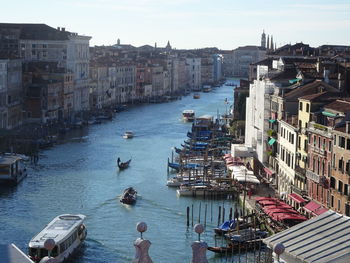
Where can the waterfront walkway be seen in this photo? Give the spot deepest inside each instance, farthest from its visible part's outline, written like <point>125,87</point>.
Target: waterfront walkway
<point>262,190</point>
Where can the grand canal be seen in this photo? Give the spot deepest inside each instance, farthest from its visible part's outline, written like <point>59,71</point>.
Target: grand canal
<point>81,176</point>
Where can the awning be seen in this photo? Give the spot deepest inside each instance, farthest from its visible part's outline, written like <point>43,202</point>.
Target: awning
<point>328,114</point>
<point>312,206</point>
<point>320,211</point>
<point>272,141</point>
<point>292,81</point>
<point>272,120</point>
<point>268,171</point>
<point>297,198</point>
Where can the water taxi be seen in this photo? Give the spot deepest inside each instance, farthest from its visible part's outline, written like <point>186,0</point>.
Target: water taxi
<point>188,115</point>
<point>206,88</point>
<point>196,96</point>
<point>12,169</point>
<point>68,231</point>
<point>128,135</point>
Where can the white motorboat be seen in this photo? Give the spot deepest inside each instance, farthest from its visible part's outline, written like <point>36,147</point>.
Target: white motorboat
<point>67,231</point>
<point>192,190</point>
<point>188,115</point>
<point>128,135</point>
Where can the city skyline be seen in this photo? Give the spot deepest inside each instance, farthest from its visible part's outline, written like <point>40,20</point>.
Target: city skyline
<point>191,24</point>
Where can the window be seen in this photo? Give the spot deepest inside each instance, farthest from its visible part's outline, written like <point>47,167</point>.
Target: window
<point>307,107</point>
<point>332,182</point>
<point>348,144</point>
<point>330,146</point>
<point>335,140</point>
<point>341,165</point>
<point>346,189</point>
<point>341,142</point>
<point>299,142</point>
<point>300,124</point>
<point>300,106</point>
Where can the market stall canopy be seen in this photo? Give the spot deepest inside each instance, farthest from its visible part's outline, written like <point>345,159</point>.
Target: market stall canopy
<point>297,198</point>
<point>322,239</point>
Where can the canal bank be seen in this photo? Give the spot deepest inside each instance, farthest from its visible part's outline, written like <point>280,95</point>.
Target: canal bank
<point>81,176</point>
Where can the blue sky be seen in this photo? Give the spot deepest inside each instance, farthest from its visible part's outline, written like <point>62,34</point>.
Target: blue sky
<point>225,24</point>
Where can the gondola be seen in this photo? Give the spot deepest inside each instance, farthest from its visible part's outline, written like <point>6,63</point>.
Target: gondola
<point>122,165</point>
<point>129,196</point>
<point>237,247</point>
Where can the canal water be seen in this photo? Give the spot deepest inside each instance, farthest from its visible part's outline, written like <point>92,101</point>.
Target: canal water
<point>81,176</point>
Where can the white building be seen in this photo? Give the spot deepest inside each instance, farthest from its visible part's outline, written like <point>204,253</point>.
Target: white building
<point>258,113</point>
<point>193,68</point>
<point>287,148</point>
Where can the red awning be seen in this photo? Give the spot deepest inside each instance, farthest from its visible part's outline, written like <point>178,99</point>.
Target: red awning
<point>268,171</point>
<point>260,198</point>
<point>320,211</point>
<point>312,206</point>
<point>297,198</point>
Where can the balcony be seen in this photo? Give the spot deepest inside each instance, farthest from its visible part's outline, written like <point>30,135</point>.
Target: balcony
<point>313,176</point>
<point>299,191</point>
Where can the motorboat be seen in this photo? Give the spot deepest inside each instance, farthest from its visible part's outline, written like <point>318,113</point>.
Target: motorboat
<point>67,231</point>
<point>196,96</point>
<point>188,115</point>
<point>129,196</point>
<point>12,168</point>
<point>206,88</point>
<point>128,135</point>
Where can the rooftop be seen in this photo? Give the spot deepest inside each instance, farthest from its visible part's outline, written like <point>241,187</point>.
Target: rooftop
<point>322,239</point>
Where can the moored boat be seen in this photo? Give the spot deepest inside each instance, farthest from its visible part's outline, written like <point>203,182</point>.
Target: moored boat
<point>188,115</point>
<point>123,165</point>
<point>12,169</point>
<point>129,196</point>
<point>128,135</point>
<point>68,232</point>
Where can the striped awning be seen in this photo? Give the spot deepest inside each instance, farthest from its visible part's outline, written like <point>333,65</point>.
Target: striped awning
<point>329,114</point>
<point>272,141</point>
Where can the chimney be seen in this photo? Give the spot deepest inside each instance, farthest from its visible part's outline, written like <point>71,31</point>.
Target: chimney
<point>294,120</point>
<point>63,29</point>
<point>58,28</point>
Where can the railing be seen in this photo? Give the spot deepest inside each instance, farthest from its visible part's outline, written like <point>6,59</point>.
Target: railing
<point>313,176</point>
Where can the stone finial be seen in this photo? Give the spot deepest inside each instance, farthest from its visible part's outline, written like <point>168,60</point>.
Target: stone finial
<point>141,227</point>
<point>199,229</point>
<point>278,248</point>
<point>49,244</point>
<point>142,245</point>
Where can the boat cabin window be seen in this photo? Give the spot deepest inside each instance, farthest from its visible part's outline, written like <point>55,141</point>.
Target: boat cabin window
<point>68,242</point>
<point>38,253</point>
<point>4,169</point>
